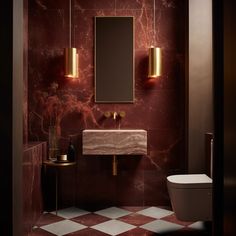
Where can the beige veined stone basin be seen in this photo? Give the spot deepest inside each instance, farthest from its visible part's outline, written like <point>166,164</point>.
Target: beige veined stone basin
<point>114,142</point>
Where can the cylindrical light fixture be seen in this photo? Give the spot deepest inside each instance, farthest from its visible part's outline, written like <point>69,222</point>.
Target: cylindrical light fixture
<point>71,56</point>
<point>71,63</point>
<point>154,62</point>
<point>154,53</point>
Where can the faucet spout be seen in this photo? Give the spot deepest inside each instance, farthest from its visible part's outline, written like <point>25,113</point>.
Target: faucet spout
<point>115,114</point>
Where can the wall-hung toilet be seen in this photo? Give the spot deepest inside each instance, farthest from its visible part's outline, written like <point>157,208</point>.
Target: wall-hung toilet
<point>191,196</point>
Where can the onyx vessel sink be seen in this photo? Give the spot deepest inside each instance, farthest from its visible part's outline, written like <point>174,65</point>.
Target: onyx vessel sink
<point>114,142</point>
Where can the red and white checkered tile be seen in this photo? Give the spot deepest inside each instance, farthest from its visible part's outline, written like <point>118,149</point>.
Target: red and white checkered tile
<point>122,221</point>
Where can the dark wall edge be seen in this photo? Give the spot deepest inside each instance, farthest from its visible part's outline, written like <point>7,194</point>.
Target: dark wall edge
<point>218,82</point>
<point>17,125</point>
<point>6,83</point>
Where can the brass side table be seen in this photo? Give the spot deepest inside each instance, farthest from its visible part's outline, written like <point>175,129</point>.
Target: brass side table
<point>57,165</point>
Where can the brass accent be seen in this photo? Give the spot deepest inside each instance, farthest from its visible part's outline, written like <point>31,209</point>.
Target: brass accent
<point>57,164</point>
<point>62,157</point>
<point>56,186</point>
<point>71,55</point>
<point>154,64</point>
<point>122,114</point>
<point>71,63</point>
<point>114,166</point>
<point>154,53</point>
<point>107,114</point>
<point>114,115</point>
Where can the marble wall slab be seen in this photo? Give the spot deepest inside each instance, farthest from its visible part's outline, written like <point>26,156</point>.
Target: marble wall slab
<point>159,105</point>
<point>33,155</point>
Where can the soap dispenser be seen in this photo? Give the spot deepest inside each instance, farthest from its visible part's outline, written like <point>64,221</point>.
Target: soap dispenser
<point>71,151</point>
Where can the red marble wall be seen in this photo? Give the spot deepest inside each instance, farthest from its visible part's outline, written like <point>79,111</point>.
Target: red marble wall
<point>159,105</point>
<point>33,154</point>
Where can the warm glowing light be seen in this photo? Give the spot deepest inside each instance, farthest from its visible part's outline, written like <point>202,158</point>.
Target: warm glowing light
<point>71,63</point>
<point>154,57</point>
<point>71,55</point>
<point>154,64</point>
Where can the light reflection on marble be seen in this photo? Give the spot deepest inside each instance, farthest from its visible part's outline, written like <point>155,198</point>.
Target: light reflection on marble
<point>114,142</point>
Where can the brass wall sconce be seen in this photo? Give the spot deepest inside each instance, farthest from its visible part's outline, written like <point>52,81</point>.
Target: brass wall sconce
<point>154,62</point>
<point>71,62</point>
<point>71,55</point>
<point>154,53</point>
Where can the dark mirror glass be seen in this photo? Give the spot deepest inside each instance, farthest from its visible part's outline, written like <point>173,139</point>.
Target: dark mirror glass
<point>114,59</point>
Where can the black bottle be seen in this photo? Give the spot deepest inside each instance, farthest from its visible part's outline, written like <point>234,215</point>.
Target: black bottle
<point>71,151</point>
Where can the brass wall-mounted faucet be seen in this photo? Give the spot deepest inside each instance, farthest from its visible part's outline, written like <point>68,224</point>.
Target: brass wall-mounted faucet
<point>107,114</point>
<point>122,114</point>
<point>114,166</point>
<point>114,114</point>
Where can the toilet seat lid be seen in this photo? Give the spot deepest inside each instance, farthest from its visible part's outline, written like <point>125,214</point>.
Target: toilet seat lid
<point>190,181</point>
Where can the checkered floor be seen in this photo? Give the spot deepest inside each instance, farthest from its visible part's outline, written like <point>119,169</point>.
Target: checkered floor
<point>122,221</point>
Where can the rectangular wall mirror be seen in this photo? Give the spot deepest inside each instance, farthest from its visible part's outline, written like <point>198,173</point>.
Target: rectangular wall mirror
<point>114,59</point>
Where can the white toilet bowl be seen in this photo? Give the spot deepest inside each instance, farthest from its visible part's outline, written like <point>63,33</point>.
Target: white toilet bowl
<point>191,196</point>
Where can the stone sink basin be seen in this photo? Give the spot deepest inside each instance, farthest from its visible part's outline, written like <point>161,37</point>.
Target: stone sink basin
<point>114,142</point>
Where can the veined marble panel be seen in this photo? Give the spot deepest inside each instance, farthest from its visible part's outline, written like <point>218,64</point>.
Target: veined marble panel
<point>114,142</point>
<point>69,104</point>
<point>33,155</point>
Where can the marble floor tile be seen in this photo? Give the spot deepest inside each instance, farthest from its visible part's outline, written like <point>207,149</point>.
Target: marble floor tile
<point>155,212</point>
<point>136,219</point>
<point>90,219</point>
<point>161,226</point>
<point>199,225</point>
<point>120,221</point>
<point>40,232</point>
<point>47,219</point>
<point>113,227</point>
<point>134,208</point>
<point>173,219</point>
<point>113,212</point>
<point>70,212</point>
<point>87,232</point>
<point>137,232</point>
<point>63,227</point>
